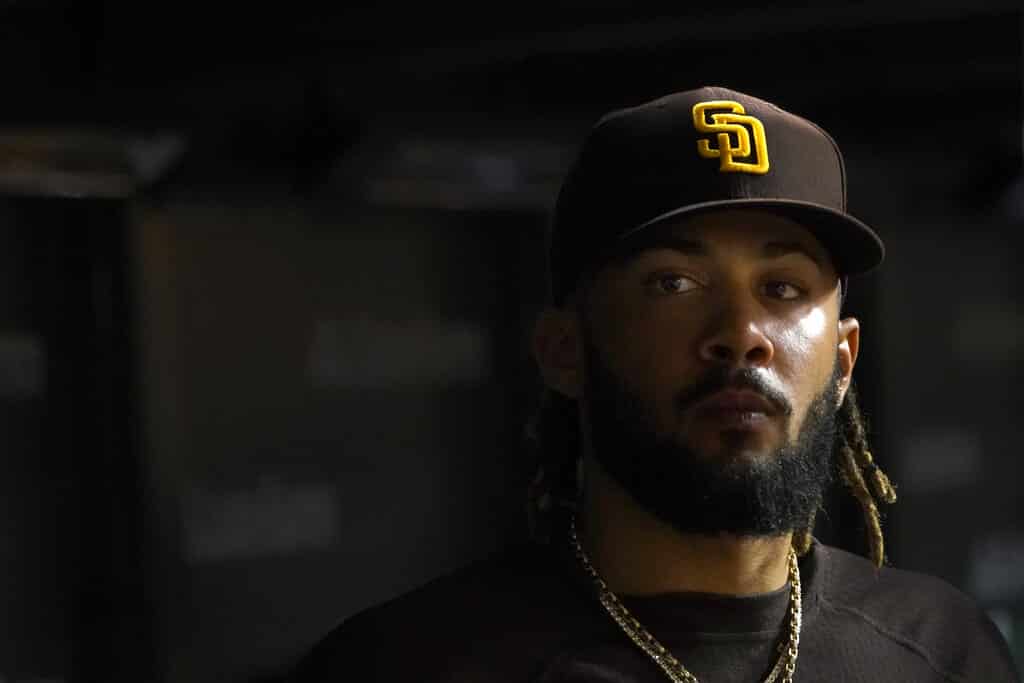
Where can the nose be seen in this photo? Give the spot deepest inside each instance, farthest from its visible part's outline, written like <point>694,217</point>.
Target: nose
<point>736,337</point>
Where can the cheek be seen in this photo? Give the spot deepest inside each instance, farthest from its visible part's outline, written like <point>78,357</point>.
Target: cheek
<point>800,346</point>
<point>806,360</point>
<point>654,357</point>
<point>813,324</point>
<point>661,365</point>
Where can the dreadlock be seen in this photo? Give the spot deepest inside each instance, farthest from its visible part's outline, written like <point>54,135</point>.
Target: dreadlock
<point>555,440</point>
<point>856,463</point>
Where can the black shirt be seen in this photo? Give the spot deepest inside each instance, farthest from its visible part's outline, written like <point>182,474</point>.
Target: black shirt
<point>531,616</point>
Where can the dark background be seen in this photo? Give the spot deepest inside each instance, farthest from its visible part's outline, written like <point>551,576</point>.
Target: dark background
<point>269,273</point>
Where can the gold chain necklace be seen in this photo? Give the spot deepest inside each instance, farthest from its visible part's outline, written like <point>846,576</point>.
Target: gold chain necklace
<point>785,664</point>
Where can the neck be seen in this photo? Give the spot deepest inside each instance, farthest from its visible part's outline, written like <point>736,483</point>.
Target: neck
<point>638,554</point>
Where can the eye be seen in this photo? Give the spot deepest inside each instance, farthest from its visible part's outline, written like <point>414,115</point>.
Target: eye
<point>672,284</point>
<point>785,291</point>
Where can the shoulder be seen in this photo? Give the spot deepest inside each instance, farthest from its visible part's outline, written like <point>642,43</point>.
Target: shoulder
<point>923,614</point>
<point>853,582</point>
<point>502,602</point>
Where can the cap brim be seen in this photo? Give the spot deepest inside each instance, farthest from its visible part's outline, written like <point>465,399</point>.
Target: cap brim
<point>854,247</point>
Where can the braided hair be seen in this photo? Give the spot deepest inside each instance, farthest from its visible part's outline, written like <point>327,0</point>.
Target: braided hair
<point>554,438</point>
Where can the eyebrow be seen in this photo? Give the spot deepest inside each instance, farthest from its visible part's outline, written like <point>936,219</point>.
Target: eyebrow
<point>695,248</point>
<point>780,249</point>
<point>680,244</point>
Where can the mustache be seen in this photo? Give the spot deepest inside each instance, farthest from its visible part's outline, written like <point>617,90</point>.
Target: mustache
<point>721,379</point>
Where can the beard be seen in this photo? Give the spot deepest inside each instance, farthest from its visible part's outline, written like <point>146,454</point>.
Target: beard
<point>694,492</point>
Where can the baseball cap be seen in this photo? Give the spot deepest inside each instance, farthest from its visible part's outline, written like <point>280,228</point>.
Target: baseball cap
<point>698,151</point>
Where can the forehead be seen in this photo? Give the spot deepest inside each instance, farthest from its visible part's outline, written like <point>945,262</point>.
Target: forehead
<point>738,233</point>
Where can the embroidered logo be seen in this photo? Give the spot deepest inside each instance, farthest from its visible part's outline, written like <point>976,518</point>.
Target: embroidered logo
<point>731,126</point>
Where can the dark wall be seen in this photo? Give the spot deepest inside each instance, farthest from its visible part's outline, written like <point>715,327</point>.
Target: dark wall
<point>73,558</point>
<point>270,364</point>
<point>335,409</point>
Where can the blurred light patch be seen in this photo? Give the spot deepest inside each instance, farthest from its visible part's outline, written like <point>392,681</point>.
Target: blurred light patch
<point>449,172</point>
<point>940,460</point>
<point>84,163</point>
<point>369,354</point>
<point>497,174</point>
<point>22,366</point>
<point>272,519</point>
<point>996,570</point>
<point>1012,201</point>
<point>991,336</point>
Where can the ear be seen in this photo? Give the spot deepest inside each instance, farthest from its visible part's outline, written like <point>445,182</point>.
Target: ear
<point>557,348</point>
<point>849,345</point>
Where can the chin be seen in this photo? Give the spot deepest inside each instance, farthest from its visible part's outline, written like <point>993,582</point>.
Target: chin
<point>735,446</point>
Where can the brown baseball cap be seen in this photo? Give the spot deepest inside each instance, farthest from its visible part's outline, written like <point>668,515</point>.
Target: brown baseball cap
<point>699,151</point>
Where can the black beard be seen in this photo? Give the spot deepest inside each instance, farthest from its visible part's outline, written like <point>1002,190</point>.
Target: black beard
<point>761,496</point>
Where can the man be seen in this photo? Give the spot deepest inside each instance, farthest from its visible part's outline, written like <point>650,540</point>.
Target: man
<point>701,401</point>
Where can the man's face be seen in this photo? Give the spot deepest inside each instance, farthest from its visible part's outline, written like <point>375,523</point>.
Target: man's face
<point>713,365</point>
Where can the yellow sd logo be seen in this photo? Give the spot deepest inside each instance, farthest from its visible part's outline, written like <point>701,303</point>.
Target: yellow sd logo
<point>732,122</point>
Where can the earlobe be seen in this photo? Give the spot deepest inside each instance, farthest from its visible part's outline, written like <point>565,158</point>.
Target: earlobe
<point>849,346</point>
<point>556,348</point>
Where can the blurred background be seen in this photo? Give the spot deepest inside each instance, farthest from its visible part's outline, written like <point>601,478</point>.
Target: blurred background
<point>268,274</point>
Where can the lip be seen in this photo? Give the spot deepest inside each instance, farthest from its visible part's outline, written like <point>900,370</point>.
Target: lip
<point>737,402</point>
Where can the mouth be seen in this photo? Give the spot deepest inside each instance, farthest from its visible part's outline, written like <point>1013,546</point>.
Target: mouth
<point>737,400</point>
<point>737,409</point>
